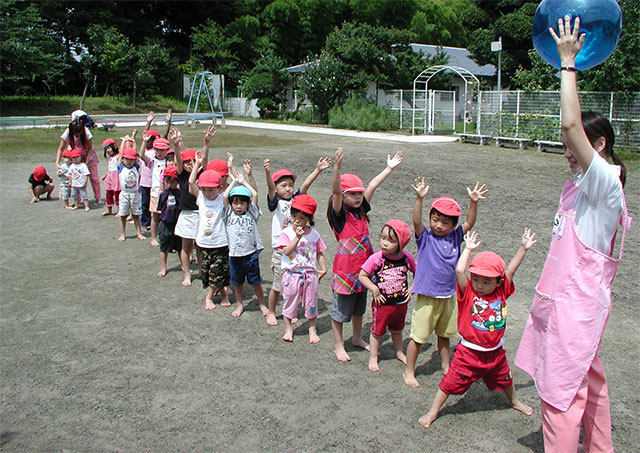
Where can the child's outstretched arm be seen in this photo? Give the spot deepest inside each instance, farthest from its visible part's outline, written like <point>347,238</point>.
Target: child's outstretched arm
<point>234,177</point>
<point>253,186</point>
<point>322,165</point>
<point>176,138</point>
<point>478,193</point>
<point>208,135</point>
<point>143,147</point>
<point>169,116</point>
<point>336,187</point>
<point>528,239</point>
<point>193,188</point>
<point>366,281</point>
<point>422,189</point>
<point>271,186</point>
<point>471,243</point>
<point>375,182</point>
<point>150,117</point>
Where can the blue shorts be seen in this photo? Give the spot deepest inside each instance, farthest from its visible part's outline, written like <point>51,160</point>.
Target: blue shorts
<point>245,266</point>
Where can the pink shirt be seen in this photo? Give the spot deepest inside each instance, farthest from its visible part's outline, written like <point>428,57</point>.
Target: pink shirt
<point>146,173</point>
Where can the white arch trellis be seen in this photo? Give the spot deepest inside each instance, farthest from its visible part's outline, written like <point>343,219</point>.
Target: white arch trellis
<point>423,99</point>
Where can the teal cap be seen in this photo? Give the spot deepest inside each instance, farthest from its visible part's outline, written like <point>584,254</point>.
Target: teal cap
<point>241,191</point>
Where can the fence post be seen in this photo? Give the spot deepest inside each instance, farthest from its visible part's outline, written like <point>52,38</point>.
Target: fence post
<point>401,91</point>
<point>479,112</point>
<point>517,113</point>
<point>611,108</point>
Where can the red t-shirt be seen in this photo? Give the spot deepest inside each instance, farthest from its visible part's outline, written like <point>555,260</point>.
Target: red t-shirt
<point>482,319</point>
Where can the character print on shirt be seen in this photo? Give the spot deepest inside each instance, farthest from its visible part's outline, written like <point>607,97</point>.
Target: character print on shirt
<point>171,200</point>
<point>559,221</point>
<point>391,279</point>
<point>488,316</point>
<point>285,210</point>
<point>131,180</point>
<point>303,255</point>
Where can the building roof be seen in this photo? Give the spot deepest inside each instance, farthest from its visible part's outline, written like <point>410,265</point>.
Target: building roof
<point>458,56</point>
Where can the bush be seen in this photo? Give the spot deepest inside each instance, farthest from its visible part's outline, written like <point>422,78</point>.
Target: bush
<point>358,113</point>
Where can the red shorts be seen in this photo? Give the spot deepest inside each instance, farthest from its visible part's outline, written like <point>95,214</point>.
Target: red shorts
<point>469,365</point>
<point>387,316</point>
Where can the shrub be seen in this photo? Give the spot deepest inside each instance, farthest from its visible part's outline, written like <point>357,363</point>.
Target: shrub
<point>358,113</point>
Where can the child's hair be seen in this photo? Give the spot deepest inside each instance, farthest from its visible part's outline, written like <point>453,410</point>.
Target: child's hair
<point>392,234</point>
<point>76,126</point>
<point>308,216</point>
<point>595,126</point>
<point>359,211</point>
<point>233,198</point>
<point>453,218</point>
<point>113,147</point>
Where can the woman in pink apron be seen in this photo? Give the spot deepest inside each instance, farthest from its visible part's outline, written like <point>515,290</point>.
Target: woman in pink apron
<point>562,336</point>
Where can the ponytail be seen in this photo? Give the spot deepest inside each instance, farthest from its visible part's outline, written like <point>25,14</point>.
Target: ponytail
<point>595,126</point>
<point>623,170</point>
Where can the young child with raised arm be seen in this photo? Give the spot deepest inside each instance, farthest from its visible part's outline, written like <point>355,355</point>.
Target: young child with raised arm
<point>130,199</point>
<point>385,274</point>
<point>347,215</point>
<point>281,191</point>
<point>156,162</point>
<point>241,215</point>
<point>168,203</point>
<point>482,318</point>
<point>212,233</point>
<point>435,280</point>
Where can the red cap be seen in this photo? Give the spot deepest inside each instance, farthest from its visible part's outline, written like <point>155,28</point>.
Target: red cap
<point>129,153</point>
<point>351,183</point>
<point>39,173</point>
<point>487,264</point>
<point>75,153</point>
<point>171,151</point>
<point>278,175</point>
<point>304,203</point>
<point>171,170</point>
<point>188,154</point>
<point>152,133</point>
<point>66,153</point>
<point>161,143</point>
<point>446,206</point>
<point>220,166</point>
<point>107,142</point>
<point>209,178</point>
<point>402,230</point>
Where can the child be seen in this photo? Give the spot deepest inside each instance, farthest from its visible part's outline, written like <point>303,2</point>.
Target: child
<point>435,279</point>
<point>78,178</point>
<point>212,233</point>
<point>301,246</point>
<point>63,173</point>
<point>40,182</point>
<point>157,162</point>
<point>280,186</point>
<point>168,202</point>
<point>347,214</point>
<point>187,225</point>
<point>482,314</point>
<point>110,178</point>
<point>385,275</point>
<point>241,214</point>
<point>130,199</point>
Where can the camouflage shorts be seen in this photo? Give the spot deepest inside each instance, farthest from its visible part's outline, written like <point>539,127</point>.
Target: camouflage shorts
<point>214,267</point>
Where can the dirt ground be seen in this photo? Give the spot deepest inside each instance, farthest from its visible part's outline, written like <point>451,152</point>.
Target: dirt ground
<point>99,354</point>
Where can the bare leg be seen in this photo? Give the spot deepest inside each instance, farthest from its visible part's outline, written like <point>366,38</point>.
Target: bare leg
<point>396,338</point>
<point>444,350</point>
<point>288,329</point>
<point>155,217</point>
<point>86,204</point>
<point>239,306</point>
<point>185,259</point>
<point>273,301</point>
<point>123,226</point>
<point>260,296</point>
<point>163,264</point>
<point>136,222</point>
<point>338,342</point>
<point>357,340</point>
<point>224,298</point>
<point>430,416</point>
<point>313,333</point>
<point>373,353</point>
<point>108,211</point>
<point>208,300</point>
<point>49,190</point>
<point>515,402</point>
<point>409,375</point>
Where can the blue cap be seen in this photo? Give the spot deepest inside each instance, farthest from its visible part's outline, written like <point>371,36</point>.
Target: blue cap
<point>241,191</point>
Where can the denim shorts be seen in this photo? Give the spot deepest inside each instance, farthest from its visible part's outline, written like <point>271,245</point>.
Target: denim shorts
<point>245,266</point>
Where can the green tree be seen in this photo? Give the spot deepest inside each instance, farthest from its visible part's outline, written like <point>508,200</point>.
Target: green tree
<point>149,63</point>
<point>285,28</point>
<point>541,77</point>
<point>114,55</point>
<point>268,82</point>
<point>323,83</point>
<point>212,48</point>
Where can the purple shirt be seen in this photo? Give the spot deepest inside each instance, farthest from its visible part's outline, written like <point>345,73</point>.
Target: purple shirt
<point>437,258</point>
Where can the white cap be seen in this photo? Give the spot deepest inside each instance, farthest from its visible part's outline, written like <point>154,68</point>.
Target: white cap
<point>77,114</point>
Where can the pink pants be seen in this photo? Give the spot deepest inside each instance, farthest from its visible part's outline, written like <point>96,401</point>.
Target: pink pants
<point>590,408</point>
<point>94,177</point>
<point>298,285</point>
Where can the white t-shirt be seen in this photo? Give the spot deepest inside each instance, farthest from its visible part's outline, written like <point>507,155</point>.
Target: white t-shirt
<point>212,231</point>
<point>157,167</point>
<point>113,163</point>
<point>598,204</point>
<point>242,231</point>
<point>129,178</point>
<point>63,172</point>
<point>306,252</point>
<point>78,173</point>
<point>281,217</point>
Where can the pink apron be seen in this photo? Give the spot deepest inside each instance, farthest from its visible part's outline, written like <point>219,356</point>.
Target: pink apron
<point>570,308</point>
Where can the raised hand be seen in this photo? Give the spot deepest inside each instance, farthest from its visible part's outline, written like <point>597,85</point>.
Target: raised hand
<point>528,239</point>
<point>246,166</point>
<point>395,161</point>
<point>267,165</point>
<point>209,133</point>
<point>169,114</point>
<point>230,160</point>
<point>150,117</point>
<point>421,188</point>
<point>323,163</point>
<point>568,42</point>
<point>339,156</point>
<point>471,240</point>
<point>175,136</point>
<point>478,193</point>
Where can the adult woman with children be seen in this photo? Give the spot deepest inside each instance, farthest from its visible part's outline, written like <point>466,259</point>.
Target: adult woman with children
<point>573,297</point>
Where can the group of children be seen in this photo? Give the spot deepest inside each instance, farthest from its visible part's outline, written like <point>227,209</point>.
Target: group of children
<point>214,206</point>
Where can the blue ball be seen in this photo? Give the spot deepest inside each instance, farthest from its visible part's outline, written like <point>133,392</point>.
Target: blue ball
<point>600,20</point>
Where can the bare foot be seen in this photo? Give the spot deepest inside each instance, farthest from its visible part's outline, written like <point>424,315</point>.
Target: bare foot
<point>87,208</point>
<point>117,214</point>
<point>427,419</point>
<point>122,238</point>
<point>154,243</point>
<point>162,273</point>
<point>271,319</point>
<point>360,343</point>
<point>410,379</point>
<point>288,336</point>
<point>238,311</point>
<point>224,302</point>
<point>186,281</point>
<point>69,207</point>
<point>228,291</point>
<point>294,320</point>
<point>209,305</point>
<point>141,237</point>
<point>341,354</point>
<point>106,213</point>
<point>313,335</point>
<point>373,364</point>
<point>520,406</point>
<point>73,207</point>
<point>263,309</point>
<point>400,356</point>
